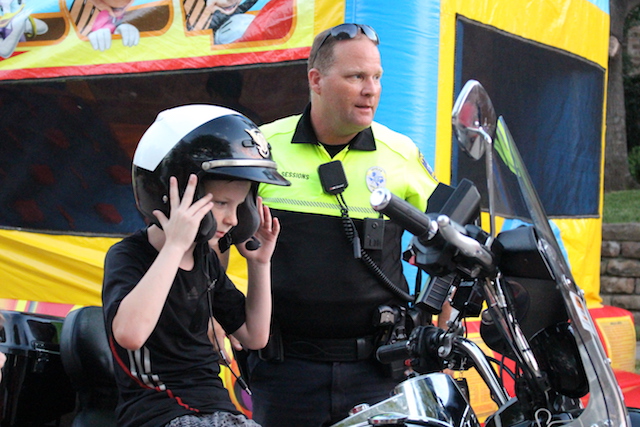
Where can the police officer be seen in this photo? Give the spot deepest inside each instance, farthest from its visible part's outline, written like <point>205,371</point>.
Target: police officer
<point>327,294</point>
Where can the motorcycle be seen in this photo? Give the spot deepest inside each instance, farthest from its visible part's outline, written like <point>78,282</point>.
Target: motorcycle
<point>517,282</point>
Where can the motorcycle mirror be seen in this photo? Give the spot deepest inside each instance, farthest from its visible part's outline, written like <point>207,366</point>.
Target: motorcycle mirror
<point>474,119</point>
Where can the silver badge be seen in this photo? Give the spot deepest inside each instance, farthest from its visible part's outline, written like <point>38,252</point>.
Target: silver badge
<point>376,178</point>
<point>260,141</point>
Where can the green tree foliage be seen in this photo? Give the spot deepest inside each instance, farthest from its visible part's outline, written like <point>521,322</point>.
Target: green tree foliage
<point>632,100</point>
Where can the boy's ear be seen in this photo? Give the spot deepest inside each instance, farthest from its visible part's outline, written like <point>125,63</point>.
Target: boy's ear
<point>248,222</point>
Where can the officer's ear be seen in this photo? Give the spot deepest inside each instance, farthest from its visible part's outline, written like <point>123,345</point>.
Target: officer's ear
<point>315,78</point>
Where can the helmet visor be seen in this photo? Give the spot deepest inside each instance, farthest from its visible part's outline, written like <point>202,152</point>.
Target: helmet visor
<point>252,170</point>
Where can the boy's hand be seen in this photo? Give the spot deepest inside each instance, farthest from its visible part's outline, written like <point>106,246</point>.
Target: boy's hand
<point>267,234</point>
<point>185,217</point>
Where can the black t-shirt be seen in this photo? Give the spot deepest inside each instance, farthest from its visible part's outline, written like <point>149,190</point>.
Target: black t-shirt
<point>176,372</point>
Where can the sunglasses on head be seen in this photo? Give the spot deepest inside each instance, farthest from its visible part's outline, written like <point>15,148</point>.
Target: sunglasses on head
<point>348,31</point>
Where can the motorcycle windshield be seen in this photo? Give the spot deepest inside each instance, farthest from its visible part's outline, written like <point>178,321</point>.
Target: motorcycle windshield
<point>517,202</point>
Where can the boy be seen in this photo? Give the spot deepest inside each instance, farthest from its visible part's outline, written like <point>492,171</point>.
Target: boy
<point>195,173</point>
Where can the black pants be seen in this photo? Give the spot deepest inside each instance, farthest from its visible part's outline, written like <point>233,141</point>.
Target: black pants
<point>303,393</point>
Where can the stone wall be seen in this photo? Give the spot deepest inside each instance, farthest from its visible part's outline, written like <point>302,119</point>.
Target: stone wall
<point>620,267</point>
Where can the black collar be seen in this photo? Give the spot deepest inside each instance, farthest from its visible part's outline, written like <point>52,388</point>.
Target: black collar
<point>305,134</point>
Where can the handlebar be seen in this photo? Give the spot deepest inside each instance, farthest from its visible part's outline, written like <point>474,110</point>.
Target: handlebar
<point>433,342</point>
<point>425,228</point>
<point>391,352</point>
<point>408,216</point>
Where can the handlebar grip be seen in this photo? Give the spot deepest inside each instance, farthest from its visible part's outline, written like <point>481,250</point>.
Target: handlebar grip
<point>404,213</point>
<point>392,352</point>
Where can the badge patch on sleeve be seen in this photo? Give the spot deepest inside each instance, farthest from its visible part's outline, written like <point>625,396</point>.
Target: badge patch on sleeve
<point>426,165</point>
<point>376,178</point>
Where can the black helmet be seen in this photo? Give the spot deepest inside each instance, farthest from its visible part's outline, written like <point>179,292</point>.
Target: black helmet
<point>211,142</point>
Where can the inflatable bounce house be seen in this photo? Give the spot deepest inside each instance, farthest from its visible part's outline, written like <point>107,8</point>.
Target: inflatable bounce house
<point>80,81</point>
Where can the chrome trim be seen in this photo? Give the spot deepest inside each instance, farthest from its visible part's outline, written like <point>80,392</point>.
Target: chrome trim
<point>220,163</point>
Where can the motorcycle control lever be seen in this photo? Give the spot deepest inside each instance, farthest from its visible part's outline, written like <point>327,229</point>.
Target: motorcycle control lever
<point>467,245</point>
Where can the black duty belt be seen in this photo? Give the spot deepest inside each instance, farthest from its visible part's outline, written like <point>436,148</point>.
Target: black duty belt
<point>329,350</point>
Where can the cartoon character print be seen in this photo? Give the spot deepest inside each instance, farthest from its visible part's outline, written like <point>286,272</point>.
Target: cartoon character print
<point>16,24</point>
<point>235,21</point>
<point>110,20</point>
